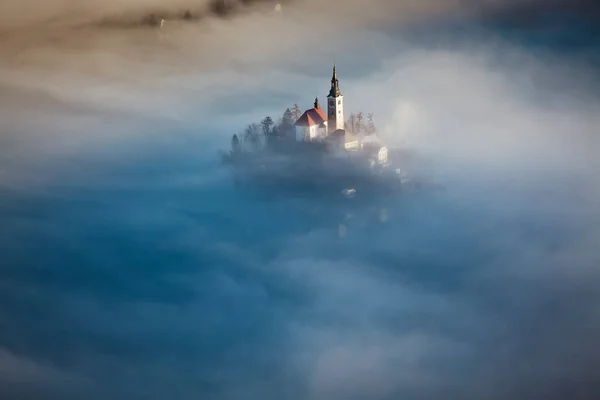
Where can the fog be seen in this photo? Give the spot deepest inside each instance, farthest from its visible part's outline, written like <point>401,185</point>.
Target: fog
<point>132,267</point>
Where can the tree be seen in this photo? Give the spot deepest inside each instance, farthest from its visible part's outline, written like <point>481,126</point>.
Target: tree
<point>275,132</point>
<point>235,144</point>
<point>360,126</point>
<point>252,135</point>
<point>351,123</point>
<point>267,129</point>
<point>297,113</point>
<point>287,123</point>
<point>356,123</point>
<point>267,126</point>
<point>371,129</point>
<point>288,117</point>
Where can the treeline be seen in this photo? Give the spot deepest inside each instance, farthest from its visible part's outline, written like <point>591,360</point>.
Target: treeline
<point>268,131</point>
<point>358,124</point>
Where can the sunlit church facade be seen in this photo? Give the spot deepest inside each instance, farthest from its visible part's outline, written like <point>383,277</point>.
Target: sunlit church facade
<point>317,125</point>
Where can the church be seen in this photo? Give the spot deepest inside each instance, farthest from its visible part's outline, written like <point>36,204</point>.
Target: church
<point>317,125</point>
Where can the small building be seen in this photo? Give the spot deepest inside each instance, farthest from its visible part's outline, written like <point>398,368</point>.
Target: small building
<point>372,140</point>
<point>342,141</point>
<point>375,153</point>
<point>312,125</point>
<point>352,142</point>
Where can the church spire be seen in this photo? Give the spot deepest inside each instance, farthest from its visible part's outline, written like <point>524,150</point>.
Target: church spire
<point>335,85</point>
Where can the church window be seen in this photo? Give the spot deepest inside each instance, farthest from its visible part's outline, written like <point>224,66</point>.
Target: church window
<point>339,102</point>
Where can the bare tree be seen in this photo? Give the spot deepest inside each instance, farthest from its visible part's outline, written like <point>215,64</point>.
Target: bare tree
<point>351,123</point>
<point>360,126</point>
<point>297,112</point>
<point>370,128</point>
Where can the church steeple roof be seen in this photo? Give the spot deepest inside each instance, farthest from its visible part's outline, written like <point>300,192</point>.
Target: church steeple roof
<point>335,85</point>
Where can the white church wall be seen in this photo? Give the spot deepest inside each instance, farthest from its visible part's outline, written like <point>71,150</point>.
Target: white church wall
<point>302,133</point>
<point>322,132</point>
<point>315,132</point>
<point>336,118</point>
<point>351,145</point>
<point>340,113</point>
<point>383,155</point>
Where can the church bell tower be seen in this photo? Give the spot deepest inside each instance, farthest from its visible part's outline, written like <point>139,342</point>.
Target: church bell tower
<point>335,105</point>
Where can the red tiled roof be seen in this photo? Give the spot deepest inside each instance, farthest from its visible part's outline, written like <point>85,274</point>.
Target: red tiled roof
<point>311,117</point>
<point>321,113</point>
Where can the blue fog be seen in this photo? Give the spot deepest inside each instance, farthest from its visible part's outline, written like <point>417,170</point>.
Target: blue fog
<point>148,274</point>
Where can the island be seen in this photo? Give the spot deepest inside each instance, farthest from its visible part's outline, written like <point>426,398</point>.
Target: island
<point>315,151</point>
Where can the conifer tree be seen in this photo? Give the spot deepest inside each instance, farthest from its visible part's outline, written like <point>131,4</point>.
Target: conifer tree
<point>287,123</point>
<point>288,117</point>
<point>267,129</point>
<point>267,124</point>
<point>252,135</point>
<point>235,144</point>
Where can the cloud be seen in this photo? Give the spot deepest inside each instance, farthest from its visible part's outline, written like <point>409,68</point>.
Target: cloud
<point>20,376</point>
<point>140,272</point>
<point>390,317</point>
<point>151,73</point>
<point>448,109</point>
